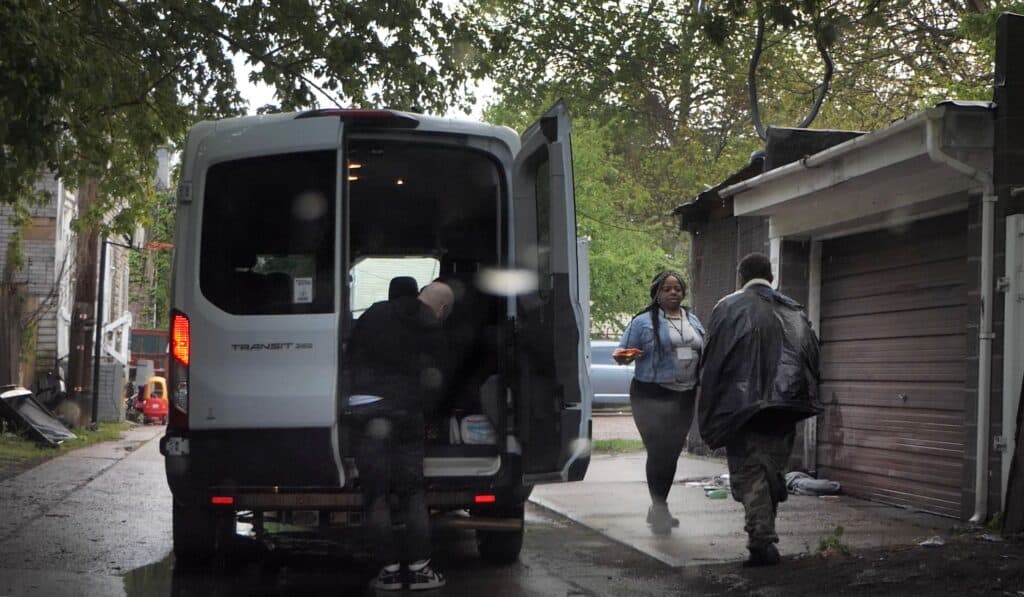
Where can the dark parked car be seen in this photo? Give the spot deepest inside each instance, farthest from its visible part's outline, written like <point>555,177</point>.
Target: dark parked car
<point>609,379</point>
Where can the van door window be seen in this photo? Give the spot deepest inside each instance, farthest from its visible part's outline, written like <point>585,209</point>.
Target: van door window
<point>267,243</point>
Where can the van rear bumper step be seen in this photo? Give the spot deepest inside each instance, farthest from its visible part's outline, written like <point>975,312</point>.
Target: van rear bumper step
<point>479,523</point>
<point>252,500</point>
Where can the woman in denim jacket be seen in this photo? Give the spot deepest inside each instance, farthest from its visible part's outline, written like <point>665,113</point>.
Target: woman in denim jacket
<point>664,387</point>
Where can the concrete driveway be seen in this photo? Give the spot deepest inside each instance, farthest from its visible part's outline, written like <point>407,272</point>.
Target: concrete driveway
<point>613,500</point>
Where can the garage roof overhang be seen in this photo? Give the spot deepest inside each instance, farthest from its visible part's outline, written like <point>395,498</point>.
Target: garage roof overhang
<point>884,178</point>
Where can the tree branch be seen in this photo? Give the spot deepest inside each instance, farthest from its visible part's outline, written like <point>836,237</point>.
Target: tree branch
<point>755,58</point>
<point>265,59</point>
<point>826,82</point>
<point>821,90</point>
<point>141,99</point>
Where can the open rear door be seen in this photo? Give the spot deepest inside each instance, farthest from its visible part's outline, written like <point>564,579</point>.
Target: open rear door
<point>553,384</point>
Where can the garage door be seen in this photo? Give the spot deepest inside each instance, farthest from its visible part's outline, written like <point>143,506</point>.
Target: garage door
<point>893,310</point>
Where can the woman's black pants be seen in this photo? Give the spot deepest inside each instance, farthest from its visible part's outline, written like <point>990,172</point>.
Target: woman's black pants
<point>663,418</point>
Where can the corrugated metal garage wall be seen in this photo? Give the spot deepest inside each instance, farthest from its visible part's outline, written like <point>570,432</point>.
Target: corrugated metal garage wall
<point>893,313</point>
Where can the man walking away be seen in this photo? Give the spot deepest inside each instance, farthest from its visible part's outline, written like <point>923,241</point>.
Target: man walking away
<point>759,377</point>
<point>396,374</point>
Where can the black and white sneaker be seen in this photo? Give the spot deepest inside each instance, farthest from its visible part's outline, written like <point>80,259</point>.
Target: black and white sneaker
<point>389,578</point>
<point>422,577</point>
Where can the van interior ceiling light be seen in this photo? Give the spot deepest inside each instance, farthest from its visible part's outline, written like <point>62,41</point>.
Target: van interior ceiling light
<point>353,177</point>
<point>354,165</point>
<point>399,182</point>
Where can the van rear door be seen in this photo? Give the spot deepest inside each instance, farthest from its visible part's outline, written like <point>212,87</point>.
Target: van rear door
<point>553,386</point>
<point>264,301</point>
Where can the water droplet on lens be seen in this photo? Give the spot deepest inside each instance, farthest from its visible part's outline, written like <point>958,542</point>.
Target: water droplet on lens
<point>507,282</point>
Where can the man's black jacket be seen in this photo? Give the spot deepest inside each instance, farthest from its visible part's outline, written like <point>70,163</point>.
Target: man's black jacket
<point>397,351</point>
<point>761,358</point>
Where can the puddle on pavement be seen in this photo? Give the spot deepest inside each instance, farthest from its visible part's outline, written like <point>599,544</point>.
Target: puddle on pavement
<point>152,579</point>
<point>290,564</point>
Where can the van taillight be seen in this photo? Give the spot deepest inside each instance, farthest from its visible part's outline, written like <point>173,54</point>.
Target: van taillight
<point>180,338</point>
<point>177,370</point>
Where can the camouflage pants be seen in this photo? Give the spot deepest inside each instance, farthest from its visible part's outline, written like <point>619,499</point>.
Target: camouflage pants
<point>757,468</point>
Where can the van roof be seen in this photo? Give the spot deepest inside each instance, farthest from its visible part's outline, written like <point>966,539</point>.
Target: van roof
<point>424,123</point>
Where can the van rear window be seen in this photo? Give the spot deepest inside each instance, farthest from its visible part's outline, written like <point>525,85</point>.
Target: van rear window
<point>267,244</point>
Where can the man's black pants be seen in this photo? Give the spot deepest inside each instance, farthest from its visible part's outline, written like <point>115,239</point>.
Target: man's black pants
<point>389,456</point>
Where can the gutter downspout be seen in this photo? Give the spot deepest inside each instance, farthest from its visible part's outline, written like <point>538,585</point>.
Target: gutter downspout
<point>933,136</point>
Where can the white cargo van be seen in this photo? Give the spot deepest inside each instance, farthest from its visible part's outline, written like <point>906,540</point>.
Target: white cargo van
<point>288,226</point>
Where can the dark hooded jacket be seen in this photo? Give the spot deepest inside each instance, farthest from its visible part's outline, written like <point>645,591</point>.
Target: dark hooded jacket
<point>759,365</point>
<point>397,351</point>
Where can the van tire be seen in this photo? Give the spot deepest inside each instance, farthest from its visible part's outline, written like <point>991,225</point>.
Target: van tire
<point>200,534</point>
<point>501,547</point>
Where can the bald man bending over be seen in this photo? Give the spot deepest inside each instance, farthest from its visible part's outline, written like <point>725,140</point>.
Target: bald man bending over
<point>396,372</point>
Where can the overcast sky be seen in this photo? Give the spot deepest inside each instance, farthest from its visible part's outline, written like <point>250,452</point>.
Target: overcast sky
<point>259,94</point>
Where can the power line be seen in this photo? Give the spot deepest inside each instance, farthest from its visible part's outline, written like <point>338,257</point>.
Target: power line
<point>604,223</point>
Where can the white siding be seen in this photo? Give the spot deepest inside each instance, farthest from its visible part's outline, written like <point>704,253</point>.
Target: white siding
<point>372,277</point>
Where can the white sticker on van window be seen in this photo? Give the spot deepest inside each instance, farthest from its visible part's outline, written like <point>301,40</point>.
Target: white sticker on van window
<point>303,290</point>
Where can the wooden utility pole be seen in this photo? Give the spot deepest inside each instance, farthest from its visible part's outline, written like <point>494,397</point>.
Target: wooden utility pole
<point>83,313</point>
<point>11,311</point>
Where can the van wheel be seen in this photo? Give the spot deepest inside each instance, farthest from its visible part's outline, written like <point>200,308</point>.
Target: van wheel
<point>501,547</point>
<point>200,534</point>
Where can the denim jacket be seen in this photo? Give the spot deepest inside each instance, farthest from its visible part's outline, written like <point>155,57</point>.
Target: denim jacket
<point>655,366</point>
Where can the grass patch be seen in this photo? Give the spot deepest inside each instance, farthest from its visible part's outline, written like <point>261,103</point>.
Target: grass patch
<point>831,545</point>
<point>14,447</point>
<point>617,445</point>
<point>18,453</point>
<point>106,432</point>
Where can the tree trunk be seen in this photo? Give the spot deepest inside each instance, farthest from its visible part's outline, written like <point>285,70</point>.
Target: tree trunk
<point>11,302</point>
<point>84,311</point>
<point>10,339</point>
